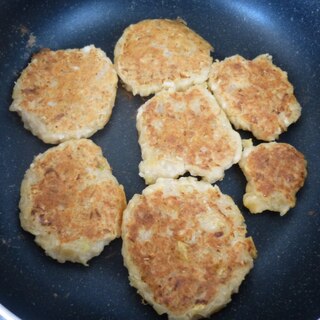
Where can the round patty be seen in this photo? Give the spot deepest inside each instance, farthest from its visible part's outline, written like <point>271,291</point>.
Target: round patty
<point>186,131</point>
<point>156,54</point>
<point>256,95</point>
<point>185,247</point>
<point>275,172</point>
<point>66,94</point>
<point>71,201</point>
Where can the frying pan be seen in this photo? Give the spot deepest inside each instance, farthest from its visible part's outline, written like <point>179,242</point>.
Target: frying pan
<point>285,282</point>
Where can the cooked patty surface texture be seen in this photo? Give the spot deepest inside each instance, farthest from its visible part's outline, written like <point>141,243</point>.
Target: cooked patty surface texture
<point>66,94</point>
<point>275,172</point>
<point>71,202</point>
<point>186,132</point>
<point>185,247</point>
<point>157,54</point>
<point>255,94</point>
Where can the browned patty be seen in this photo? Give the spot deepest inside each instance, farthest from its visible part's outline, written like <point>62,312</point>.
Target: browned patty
<point>66,94</point>
<point>275,172</point>
<point>185,248</point>
<point>255,94</point>
<point>71,201</point>
<point>186,131</point>
<point>157,54</point>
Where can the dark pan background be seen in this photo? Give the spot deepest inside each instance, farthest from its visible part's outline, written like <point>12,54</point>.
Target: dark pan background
<point>285,282</point>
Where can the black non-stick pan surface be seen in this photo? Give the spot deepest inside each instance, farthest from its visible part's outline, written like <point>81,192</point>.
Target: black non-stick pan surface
<point>285,282</point>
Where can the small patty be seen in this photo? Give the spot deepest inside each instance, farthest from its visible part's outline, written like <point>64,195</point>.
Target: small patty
<point>157,54</point>
<point>275,172</point>
<point>66,94</point>
<point>71,201</point>
<point>185,132</point>
<point>185,247</point>
<point>256,95</point>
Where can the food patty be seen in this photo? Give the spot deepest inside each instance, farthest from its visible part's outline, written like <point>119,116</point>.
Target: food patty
<point>71,202</point>
<point>159,54</point>
<point>185,247</point>
<point>186,132</point>
<point>256,95</point>
<point>66,94</point>
<point>275,172</point>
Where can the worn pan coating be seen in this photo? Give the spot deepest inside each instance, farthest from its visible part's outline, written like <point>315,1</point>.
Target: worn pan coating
<point>285,283</point>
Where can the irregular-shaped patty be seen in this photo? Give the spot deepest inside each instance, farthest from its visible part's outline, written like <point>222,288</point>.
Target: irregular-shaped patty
<point>186,131</point>
<point>156,54</point>
<point>256,95</point>
<point>185,247</point>
<point>66,94</point>
<point>275,172</point>
<point>71,201</point>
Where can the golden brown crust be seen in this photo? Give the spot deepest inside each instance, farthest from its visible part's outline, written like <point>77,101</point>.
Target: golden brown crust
<point>161,53</point>
<point>256,95</point>
<point>185,131</point>
<point>275,172</point>
<point>185,247</point>
<point>66,94</point>
<point>69,193</point>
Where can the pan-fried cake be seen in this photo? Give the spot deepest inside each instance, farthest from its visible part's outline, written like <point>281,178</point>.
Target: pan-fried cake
<point>71,201</point>
<point>256,95</point>
<point>185,247</point>
<point>66,94</point>
<point>275,172</point>
<point>158,54</point>
<point>186,131</point>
